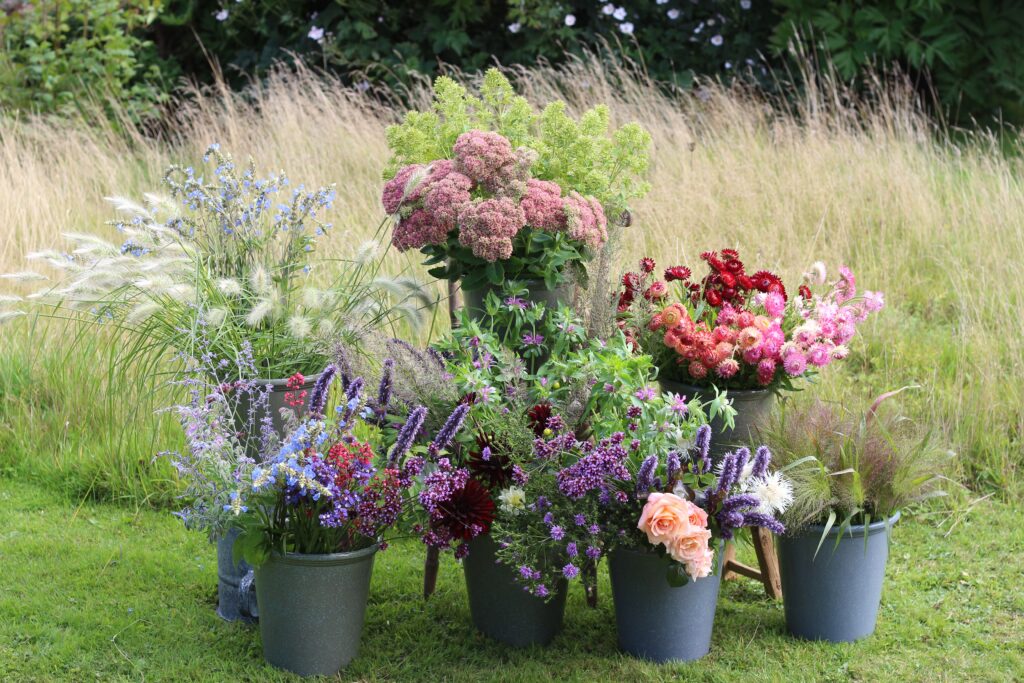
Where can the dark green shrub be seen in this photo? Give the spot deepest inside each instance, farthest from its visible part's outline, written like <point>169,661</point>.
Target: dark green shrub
<point>57,53</point>
<point>971,50</point>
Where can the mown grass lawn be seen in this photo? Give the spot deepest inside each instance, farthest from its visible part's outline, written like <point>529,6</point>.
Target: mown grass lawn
<point>101,592</point>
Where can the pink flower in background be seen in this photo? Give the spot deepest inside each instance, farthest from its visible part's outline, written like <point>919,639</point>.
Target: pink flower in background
<point>874,301</point>
<point>727,368</point>
<point>543,206</point>
<point>819,355</point>
<point>488,226</point>
<point>846,287</point>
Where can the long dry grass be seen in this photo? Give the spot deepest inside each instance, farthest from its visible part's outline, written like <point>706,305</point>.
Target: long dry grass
<point>937,225</point>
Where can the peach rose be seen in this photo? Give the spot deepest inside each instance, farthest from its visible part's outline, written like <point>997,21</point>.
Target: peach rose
<point>693,552</point>
<point>665,518</point>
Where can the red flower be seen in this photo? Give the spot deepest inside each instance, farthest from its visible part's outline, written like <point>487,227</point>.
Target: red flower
<point>713,297</point>
<point>539,416</point>
<point>647,264</point>
<point>631,281</point>
<point>658,290</point>
<point>468,512</point>
<point>805,292</point>
<point>341,457</point>
<point>494,472</point>
<point>765,281</point>
<point>677,273</point>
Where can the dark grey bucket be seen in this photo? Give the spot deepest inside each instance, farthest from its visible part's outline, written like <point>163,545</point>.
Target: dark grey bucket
<point>537,293</point>
<point>658,621</point>
<point>236,592</point>
<point>753,407</point>
<point>249,429</point>
<point>499,606</point>
<point>312,609</point>
<point>834,596</point>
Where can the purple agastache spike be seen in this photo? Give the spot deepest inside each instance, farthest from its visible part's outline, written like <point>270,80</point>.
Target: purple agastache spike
<point>321,389</point>
<point>742,457</point>
<point>354,389</point>
<point>451,427</point>
<point>701,443</point>
<point>728,474</point>
<point>739,502</point>
<point>645,475</point>
<point>672,465</point>
<point>406,435</point>
<point>761,461</point>
<point>764,521</point>
<point>384,390</point>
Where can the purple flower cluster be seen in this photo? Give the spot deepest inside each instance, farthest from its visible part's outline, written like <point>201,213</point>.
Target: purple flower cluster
<point>599,464</point>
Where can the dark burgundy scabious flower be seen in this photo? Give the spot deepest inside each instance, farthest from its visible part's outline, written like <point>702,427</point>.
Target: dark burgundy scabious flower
<point>539,416</point>
<point>468,512</point>
<point>647,264</point>
<point>488,464</point>
<point>677,273</point>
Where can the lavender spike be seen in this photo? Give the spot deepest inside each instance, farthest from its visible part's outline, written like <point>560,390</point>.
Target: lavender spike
<point>407,435</point>
<point>321,389</point>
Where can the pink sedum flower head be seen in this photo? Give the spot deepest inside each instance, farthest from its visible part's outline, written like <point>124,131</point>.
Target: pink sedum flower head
<point>419,229</point>
<point>488,159</point>
<point>488,227</point>
<point>447,197</point>
<point>585,220</point>
<point>543,205</point>
<point>394,193</point>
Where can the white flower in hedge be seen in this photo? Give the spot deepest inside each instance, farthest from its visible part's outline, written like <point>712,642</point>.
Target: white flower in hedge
<point>316,33</point>
<point>775,492</point>
<point>570,19</point>
<point>221,15</point>
<point>620,13</point>
<point>626,27</point>
<point>512,500</point>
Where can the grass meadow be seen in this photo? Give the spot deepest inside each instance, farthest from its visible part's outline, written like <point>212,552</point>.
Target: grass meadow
<point>934,218</point>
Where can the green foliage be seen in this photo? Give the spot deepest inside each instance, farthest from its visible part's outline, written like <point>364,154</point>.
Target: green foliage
<point>970,50</point>
<point>584,155</point>
<point>59,55</point>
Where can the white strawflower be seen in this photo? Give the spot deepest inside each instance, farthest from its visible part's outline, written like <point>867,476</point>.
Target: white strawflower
<point>774,491</point>
<point>229,287</point>
<point>512,500</point>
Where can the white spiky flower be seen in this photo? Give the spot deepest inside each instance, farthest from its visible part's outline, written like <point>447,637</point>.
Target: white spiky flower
<point>142,311</point>
<point>312,298</point>
<point>326,327</point>
<point>259,313</point>
<point>229,286</point>
<point>299,326</point>
<point>817,274</point>
<point>260,280</point>
<point>215,317</point>
<point>774,491</point>
<point>23,276</point>
<point>10,315</point>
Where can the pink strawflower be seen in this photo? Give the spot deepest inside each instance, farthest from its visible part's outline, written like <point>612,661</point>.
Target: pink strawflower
<point>765,371</point>
<point>819,355</point>
<point>585,220</point>
<point>775,304</point>
<point>395,190</point>
<point>846,287</point>
<point>840,352</point>
<point>697,370</point>
<point>726,315</point>
<point>752,356</point>
<point>488,226</point>
<point>748,338</point>
<point>727,368</point>
<point>543,206</point>
<point>794,363</point>
<point>873,301</point>
<point>419,229</point>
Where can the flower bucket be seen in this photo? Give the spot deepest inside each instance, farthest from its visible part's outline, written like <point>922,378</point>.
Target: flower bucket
<point>658,621</point>
<point>276,400</point>
<point>312,609</point>
<point>538,293</point>
<point>236,591</point>
<point>501,609</point>
<point>834,596</point>
<point>753,407</point>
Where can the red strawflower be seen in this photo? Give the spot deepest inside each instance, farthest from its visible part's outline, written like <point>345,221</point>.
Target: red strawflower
<point>657,290</point>
<point>805,292</point>
<point>468,512</point>
<point>647,264</point>
<point>677,273</point>
<point>713,298</point>
<point>765,281</point>
<point>631,281</point>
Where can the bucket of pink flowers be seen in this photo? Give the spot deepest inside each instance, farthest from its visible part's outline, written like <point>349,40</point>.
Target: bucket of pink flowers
<point>740,332</point>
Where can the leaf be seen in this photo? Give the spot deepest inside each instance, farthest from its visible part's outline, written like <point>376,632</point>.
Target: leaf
<point>676,575</point>
<point>824,534</point>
